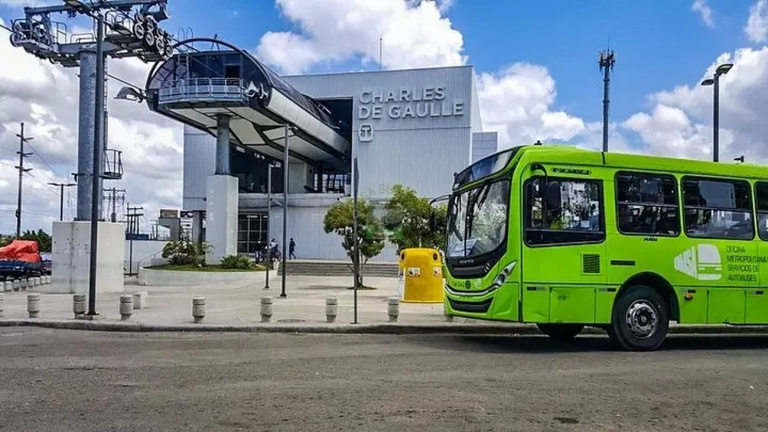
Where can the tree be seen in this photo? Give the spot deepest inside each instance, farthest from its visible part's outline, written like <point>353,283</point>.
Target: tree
<point>339,219</point>
<point>43,239</point>
<point>407,218</point>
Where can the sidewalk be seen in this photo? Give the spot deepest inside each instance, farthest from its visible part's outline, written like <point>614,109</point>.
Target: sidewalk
<point>237,308</point>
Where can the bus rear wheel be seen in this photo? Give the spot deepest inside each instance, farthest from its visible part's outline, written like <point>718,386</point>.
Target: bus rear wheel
<point>640,319</point>
<point>561,332</point>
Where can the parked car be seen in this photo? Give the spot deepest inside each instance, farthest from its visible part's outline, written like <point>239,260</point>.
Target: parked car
<point>21,258</point>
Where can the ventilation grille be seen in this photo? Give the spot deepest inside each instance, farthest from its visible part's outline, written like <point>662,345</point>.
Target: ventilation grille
<point>590,264</point>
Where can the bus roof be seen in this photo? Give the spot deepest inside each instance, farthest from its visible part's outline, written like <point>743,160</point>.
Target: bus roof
<point>568,154</point>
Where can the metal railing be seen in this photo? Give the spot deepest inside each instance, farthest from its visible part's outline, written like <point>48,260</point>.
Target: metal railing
<point>202,89</point>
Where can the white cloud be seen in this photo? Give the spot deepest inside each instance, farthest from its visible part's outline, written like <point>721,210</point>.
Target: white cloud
<point>757,24</point>
<point>680,121</point>
<point>517,101</point>
<point>705,12</point>
<point>45,97</point>
<point>414,34</point>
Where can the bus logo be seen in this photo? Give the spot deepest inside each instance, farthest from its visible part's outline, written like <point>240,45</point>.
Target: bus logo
<point>701,262</point>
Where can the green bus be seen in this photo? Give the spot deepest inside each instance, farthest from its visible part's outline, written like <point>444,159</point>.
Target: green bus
<point>566,238</point>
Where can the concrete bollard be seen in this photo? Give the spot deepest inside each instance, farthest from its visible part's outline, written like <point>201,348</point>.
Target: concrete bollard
<point>331,309</point>
<point>198,309</point>
<point>140,300</point>
<point>266,309</point>
<point>78,305</point>
<point>48,279</point>
<point>33,305</point>
<point>393,308</point>
<point>24,284</point>
<point>126,306</point>
<point>7,286</point>
<point>35,281</point>
<point>2,305</point>
<point>16,284</point>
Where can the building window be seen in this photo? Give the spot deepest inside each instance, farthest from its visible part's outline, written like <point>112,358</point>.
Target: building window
<point>564,212</point>
<point>647,204</point>
<point>717,209</point>
<point>761,196</point>
<point>253,229</point>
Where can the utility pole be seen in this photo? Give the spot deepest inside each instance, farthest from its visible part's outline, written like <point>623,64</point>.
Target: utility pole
<point>61,196</point>
<point>112,201</point>
<point>22,170</point>
<point>133,225</point>
<point>606,62</point>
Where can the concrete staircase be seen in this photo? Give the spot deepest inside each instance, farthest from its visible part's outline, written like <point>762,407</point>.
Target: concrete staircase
<point>335,268</point>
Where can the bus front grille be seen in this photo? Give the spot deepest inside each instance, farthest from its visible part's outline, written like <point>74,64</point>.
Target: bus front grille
<point>472,307</point>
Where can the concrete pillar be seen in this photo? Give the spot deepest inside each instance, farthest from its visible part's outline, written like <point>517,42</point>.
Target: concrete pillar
<point>140,300</point>
<point>126,306</point>
<point>393,308</point>
<point>222,145</point>
<point>71,258</point>
<point>331,309</point>
<point>33,305</point>
<point>221,217</point>
<point>198,309</point>
<point>266,309</point>
<point>78,305</point>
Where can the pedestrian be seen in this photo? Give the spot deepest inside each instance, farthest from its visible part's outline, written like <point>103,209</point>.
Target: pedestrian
<point>291,249</point>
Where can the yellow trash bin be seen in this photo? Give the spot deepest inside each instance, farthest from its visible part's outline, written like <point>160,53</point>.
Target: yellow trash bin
<point>422,275</point>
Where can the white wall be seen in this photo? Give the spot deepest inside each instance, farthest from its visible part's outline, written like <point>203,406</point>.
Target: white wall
<point>143,252</point>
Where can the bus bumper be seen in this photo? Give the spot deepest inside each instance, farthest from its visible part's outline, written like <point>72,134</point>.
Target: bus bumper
<point>497,304</point>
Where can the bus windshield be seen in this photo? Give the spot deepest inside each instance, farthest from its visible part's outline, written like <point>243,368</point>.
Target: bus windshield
<point>477,220</point>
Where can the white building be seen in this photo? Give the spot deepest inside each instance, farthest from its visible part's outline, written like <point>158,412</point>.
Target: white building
<point>412,127</point>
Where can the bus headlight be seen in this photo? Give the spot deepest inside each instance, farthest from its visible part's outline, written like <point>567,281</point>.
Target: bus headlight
<point>502,277</point>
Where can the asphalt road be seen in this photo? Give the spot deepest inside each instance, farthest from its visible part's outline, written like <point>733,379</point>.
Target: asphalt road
<point>52,380</point>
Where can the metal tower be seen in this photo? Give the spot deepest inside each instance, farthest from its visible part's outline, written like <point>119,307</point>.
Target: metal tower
<point>606,61</point>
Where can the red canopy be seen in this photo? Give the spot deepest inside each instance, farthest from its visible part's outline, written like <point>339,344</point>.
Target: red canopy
<point>21,250</point>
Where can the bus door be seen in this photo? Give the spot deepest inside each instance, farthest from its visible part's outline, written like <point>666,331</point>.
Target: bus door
<point>563,249</point>
<point>757,300</point>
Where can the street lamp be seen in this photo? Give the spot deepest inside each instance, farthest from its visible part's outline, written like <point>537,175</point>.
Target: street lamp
<point>61,197</point>
<point>721,70</point>
<point>131,94</point>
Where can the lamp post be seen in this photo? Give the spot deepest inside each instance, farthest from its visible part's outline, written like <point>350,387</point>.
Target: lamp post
<point>269,221</point>
<point>61,197</point>
<point>721,70</point>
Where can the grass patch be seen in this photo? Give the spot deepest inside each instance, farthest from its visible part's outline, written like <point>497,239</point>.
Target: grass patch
<point>204,269</point>
<point>361,288</point>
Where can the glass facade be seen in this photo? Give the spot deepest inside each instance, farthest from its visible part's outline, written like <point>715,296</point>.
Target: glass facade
<point>252,232</point>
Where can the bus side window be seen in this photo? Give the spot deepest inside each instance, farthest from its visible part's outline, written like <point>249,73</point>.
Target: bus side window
<point>717,208</point>
<point>647,204</point>
<point>761,198</point>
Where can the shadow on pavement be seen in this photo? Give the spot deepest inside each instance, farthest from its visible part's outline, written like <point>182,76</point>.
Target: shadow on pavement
<point>586,343</point>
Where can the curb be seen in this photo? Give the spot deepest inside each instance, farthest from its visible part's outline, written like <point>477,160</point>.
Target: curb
<point>379,328</point>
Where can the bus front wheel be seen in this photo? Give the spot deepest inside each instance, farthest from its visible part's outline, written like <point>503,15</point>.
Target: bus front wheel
<point>640,319</point>
<point>561,332</point>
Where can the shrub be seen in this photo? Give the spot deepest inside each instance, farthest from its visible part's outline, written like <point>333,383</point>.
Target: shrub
<point>184,253</point>
<point>236,262</point>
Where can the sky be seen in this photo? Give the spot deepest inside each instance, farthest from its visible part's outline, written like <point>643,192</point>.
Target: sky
<point>536,65</point>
